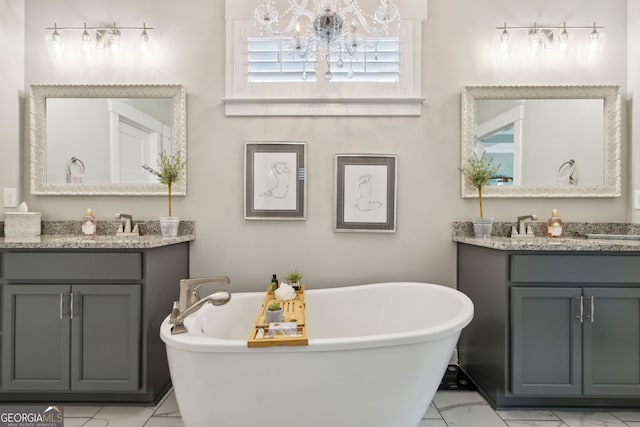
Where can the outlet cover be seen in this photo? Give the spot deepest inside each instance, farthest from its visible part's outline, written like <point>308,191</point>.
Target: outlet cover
<point>10,198</point>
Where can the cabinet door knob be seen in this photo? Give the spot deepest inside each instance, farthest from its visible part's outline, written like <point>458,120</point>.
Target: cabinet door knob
<point>593,308</point>
<point>71,306</point>
<point>61,305</point>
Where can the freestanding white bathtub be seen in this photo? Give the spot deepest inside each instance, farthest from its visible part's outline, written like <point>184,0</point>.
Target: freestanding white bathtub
<point>375,357</point>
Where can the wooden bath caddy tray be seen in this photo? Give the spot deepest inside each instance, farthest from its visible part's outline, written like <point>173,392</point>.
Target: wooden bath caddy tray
<point>293,311</point>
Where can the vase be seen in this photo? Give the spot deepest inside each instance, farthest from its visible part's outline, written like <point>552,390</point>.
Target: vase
<point>273,316</point>
<point>169,226</point>
<point>482,227</point>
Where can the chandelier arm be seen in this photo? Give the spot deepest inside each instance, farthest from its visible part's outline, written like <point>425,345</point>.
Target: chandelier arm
<point>294,20</point>
<point>371,29</point>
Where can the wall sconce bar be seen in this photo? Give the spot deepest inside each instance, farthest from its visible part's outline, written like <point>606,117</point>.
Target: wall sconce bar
<point>537,27</point>
<point>109,37</point>
<point>545,39</point>
<point>103,28</point>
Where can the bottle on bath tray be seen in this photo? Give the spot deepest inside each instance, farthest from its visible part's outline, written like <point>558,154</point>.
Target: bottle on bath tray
<point>554,225</point>
<point>89,223</point>
<point>274,283</point>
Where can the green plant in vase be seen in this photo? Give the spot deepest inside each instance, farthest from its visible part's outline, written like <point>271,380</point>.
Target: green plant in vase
<point>170,169</point>
<point>273,314</point>
<point>479,171</point>
<point>294,278</point>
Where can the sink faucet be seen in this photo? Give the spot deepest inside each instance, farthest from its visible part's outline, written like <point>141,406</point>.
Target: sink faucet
<point>190,299</point>
<point>522,230</point>
<point>127,228</point>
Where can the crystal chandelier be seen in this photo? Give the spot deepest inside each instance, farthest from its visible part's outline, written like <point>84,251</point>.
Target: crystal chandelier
<point>324,30</point>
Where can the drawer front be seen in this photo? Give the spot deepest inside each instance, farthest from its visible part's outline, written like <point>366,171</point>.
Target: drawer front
<point>575,268</point>
<point>72,266</point>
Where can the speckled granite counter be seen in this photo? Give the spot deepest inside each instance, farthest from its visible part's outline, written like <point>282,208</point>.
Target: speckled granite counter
<point>67,235</point>
<point>574,240</point>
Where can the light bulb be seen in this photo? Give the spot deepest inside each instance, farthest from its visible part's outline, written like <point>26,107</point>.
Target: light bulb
<point>55,46</point>
<point>114,41</point>
<point>594,43</point>
<point>535,42</point>
<point>85,45</point>
<point>564,45</point>
<point>145,46</point>
<point>505,44</point>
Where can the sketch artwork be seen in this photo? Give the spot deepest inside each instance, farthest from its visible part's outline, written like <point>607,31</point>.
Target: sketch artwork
<point>282,175</point>
<point>364,202</point>
<point>274,181</point>
<point>365,193</point>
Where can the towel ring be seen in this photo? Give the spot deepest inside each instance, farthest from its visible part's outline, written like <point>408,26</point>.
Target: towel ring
<point>567,169</point>
<point>74,161</point>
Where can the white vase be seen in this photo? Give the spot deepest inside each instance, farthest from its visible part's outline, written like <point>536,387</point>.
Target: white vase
<point>169,226</point>
<point>482,227</point>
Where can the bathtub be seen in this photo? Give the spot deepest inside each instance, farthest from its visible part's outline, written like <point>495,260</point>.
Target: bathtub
<point>375,357</point>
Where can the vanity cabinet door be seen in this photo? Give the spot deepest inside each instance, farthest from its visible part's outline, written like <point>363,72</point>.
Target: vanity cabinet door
<point>105,337</point>
<point>71,337</point>
<point>35,338</point>
<point>612,341</point>
<point>546,341</point>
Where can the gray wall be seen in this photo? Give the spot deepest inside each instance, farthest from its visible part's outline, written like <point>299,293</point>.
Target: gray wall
<point>12,23</point>
<point>457,51</point>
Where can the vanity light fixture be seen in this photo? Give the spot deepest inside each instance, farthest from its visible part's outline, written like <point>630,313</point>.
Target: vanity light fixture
<point>324,30</point>
<point>96,40</point>
<point>550,41</point>
<point>55,45</point>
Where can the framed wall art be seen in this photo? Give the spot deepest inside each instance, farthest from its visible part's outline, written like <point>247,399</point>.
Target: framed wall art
<point>365,193</point>
<point>275,180</point>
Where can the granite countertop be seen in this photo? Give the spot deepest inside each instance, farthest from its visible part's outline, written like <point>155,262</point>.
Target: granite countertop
<point>574,238</point>
<point>67,235</point>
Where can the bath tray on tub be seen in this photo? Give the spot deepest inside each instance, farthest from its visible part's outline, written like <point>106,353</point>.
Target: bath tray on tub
<point>293,311</point>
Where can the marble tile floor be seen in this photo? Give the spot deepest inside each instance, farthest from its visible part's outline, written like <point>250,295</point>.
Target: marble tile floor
<point>448,409</point>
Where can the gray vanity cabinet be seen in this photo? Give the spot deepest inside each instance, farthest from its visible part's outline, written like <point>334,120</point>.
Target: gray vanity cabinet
<point>553,329</point>
<point>573,341</point>
<point>82,325</point>
<point>71,337</point>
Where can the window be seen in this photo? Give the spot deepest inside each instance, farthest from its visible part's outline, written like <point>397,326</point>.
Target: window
<point>276,60</point>
<point>268,77</point>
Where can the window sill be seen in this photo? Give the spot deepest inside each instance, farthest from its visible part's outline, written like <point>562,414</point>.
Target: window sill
<point>323,106</point>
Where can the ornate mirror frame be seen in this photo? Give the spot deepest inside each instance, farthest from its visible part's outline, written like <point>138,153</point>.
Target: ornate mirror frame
<point>611,143</point>
<point>38,121</point>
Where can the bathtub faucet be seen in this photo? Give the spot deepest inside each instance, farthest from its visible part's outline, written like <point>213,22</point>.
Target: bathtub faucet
<point>190,299</point>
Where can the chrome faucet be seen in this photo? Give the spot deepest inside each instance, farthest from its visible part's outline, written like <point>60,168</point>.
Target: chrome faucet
<point>522,230</point>
<point>127,228</point>
<point>190,299</point>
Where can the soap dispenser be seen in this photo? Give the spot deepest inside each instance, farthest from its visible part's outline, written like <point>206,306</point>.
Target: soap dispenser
<point>554,225</point>
<point>89,223</point>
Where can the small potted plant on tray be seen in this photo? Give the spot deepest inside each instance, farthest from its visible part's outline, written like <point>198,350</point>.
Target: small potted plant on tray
<point>478,171</point>
<point>294,278</point>
<point>273,313</point>
<point>170,170</point>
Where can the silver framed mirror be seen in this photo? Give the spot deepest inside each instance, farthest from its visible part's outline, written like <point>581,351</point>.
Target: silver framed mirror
<point>548,141</point>
<point>94,139</point>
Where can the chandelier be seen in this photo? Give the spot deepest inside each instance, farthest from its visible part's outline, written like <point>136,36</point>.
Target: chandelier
<point>324,30</point>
